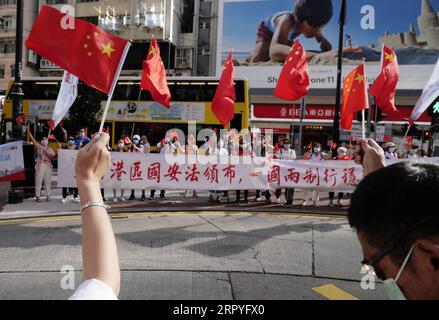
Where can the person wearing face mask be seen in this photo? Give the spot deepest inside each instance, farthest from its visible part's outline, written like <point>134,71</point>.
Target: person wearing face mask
<point>342,155</point>
<point>136,146</point>
<point>390,151</point>
<point>221,152</point>
<point>120,148</point>
<point>191,149</point>
<point>399,237</point>
<point>244,150</point>
<point>316,156</point>
<point>70,191</point>
<point>81,139</point>
<point>287,153</point>
<point>43,166</point>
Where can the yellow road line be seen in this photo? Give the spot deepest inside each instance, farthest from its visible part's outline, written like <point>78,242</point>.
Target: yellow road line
<point>331,292</point>
<point>173,214</point>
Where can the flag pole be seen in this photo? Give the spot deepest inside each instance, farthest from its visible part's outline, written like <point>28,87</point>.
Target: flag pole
<point>342,23</point>
<point>363,124</point>
<point>405,137</point>
<point>113,86</point>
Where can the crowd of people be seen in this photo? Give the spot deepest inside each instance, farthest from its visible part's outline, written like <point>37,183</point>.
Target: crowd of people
<point>229,143</point>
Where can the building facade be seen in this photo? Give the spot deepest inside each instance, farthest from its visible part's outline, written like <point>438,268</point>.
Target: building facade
<point>8,10</point>
<point>183,29</point>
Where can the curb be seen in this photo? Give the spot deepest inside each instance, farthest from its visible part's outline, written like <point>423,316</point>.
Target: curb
<point>56,214</point>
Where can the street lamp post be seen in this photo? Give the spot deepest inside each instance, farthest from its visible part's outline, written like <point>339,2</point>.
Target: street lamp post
<point>16,192</point>
<point>17,91</point>
<point>336,125</point>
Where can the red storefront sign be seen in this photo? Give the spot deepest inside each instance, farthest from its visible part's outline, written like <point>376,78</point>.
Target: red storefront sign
<point>325,112</point>
<point>313,112</point>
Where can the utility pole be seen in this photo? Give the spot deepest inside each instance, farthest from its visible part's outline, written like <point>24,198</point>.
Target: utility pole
<point>17,91</point>
<point>336,125</point>
<point>15,194</point>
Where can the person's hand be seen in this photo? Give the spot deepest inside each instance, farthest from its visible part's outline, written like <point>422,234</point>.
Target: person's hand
<point>370,155</point>
<point>94,160</point>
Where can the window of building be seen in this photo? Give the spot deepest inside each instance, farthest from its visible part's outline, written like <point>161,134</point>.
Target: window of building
<point>7,47</point>
<point>93,19</point>
<point>2,71</point>
<point>8,1</point>
<point>52,2</point>
<point>7,22</point>
<point>183,58</point>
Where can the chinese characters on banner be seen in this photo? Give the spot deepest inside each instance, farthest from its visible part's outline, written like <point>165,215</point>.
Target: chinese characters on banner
<point>134,171</point>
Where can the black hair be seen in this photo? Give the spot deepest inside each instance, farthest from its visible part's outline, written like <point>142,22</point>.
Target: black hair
<point>316,12</point>
<point>392,199</point>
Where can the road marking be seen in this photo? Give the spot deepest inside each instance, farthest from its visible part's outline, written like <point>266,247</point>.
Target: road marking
<point>175,214</point>
<point>331,292</point>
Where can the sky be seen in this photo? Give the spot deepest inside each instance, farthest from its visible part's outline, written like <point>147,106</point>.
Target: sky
<point>242,18</point>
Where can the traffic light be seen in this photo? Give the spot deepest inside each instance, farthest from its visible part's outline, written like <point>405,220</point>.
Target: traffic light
<point>433,110</point>
<point>426,135</point>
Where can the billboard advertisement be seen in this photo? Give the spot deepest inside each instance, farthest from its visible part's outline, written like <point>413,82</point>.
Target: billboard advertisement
<point>260,33</point>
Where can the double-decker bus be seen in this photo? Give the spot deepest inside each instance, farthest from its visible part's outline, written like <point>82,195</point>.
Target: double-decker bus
<point>131,111</point>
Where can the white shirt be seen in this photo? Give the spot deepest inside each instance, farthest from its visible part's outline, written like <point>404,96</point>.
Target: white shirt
<point>390,156</point>
<point>222,152</point>
<point>192,149</point>
<point>147,148</point>
<point>94,290</point>
<point>287,154</point>
<point>315,158</point>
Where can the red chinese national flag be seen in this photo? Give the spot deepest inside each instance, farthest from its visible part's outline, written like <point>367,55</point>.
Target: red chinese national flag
<point>355,96</point>
<point>224,100</point>
<point>86,51</point>
<point>294,81</point>
<point>154,76</point>
<point>384,87</point>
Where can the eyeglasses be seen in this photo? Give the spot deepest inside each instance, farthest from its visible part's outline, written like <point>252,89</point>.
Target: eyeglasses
<point>368,265</point>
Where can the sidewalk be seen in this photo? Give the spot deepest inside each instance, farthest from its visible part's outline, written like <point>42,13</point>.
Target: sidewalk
<point>173,202</point>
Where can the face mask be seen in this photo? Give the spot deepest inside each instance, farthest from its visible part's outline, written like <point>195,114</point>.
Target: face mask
<point>135,141</point>
<point>44,143</point>
<point>317,150</point>
<point>121,145</point>
<point>392,150</point>
<point>391,285</point>
<point>287,145</point>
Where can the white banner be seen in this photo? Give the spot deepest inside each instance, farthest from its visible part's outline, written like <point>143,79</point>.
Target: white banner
<point>11,162</point>
<point>182,172</point>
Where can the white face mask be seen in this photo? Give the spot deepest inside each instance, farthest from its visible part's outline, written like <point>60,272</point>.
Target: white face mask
<point>44,143</point>
<point>392,150</point>
<point>317,150</point>
<point>121,145</point>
